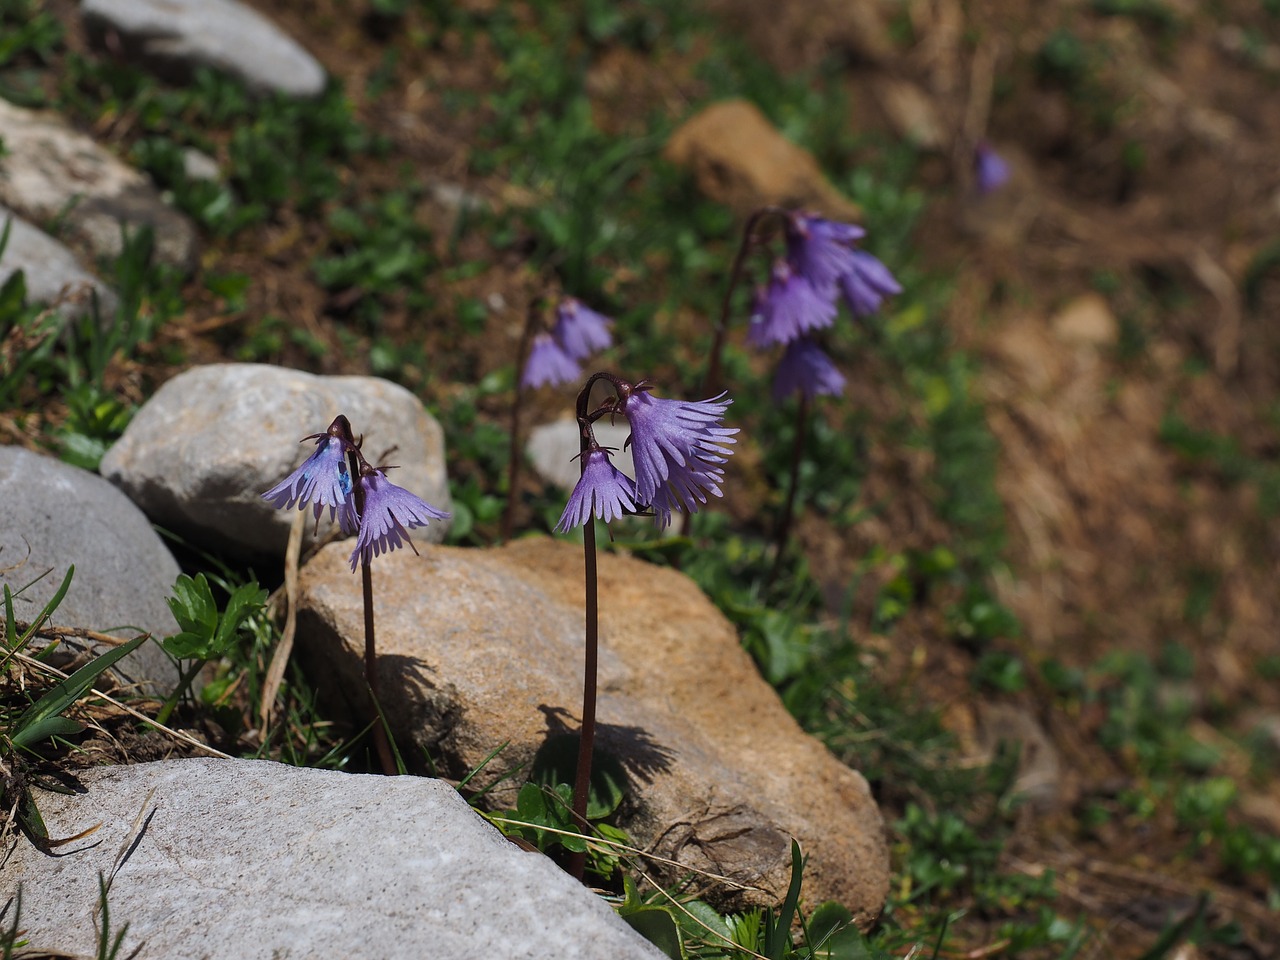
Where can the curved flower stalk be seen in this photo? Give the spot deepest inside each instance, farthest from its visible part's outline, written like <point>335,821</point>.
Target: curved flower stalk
<point>550,359</point>
<point>375,509</point>
<point>679,448</point>
<point>822,265</point>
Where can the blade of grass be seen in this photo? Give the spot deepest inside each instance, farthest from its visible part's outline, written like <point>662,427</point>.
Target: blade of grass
<point>67,692</point>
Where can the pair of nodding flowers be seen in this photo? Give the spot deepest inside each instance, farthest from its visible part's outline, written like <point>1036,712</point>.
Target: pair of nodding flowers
<point>381,512</point>
<point>678,447</point>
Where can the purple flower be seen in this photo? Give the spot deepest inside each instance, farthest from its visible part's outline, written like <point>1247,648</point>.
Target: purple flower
<point>549,364</point>
<point>323,480</point>
<point>867,284</point>
<point>580,330</point>
<point>603,490</point>
<point>788,308</point>
<point>804,367</point>
<point>677,446</point>
<point>990,170</point>
<point>389,512</point>
<point>820,249</point>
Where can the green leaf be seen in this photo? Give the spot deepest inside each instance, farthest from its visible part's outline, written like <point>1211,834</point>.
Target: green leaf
<point>705,917</point>
<point>531,804</point>
<point>49,607</point>
<point>193,607</point>
<point>245,600</point>
<point>834,937</point>
<point>30,727</point>
<point>777,937</point>
<point>658,927</point>
<point>31,822</point>
<point>51,727</point>
<point>10,622</point>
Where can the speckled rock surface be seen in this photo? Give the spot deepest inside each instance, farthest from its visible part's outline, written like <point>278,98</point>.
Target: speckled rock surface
<point>49,171</point>
<point>52,273</point>
<point>260,861</point>
<point>57,515</point>
<point>478,647</point>
<point>176,36</point>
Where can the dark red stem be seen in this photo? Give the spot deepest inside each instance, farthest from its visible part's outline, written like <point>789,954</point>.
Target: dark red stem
<point>711,381</point>
<point>380,742</point>
<point>577,862</point>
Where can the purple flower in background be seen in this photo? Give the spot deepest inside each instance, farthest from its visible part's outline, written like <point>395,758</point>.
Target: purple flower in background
<point>867,284</point>
<point>548,364</point>
<point>804,367</point>
<point>788,308</point>
<point>580,330</point>
<point>820,249</point>
<point>323,480</point>
<point>603,490</point>
<point>990,170</point>
<point>389,512</point>
<point>677,447</point>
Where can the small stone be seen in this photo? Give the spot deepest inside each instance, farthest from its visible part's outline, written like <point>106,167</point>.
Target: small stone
<point>175,37</point>
<point>911,112</point>
<point>52,273</point>
<point>57,515</point>
<point>198,165</point>
<point>50,172</point>
<point>201,452</point>
<point>553,449</point>
<point>740,159</point>
<point>480,647</point>
<point>1087,321</point>
<point>1039,781</point>
<point>257,860</point>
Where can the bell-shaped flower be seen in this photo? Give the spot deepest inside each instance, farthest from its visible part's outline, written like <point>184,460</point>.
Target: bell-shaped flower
<point>602,491</point>
<point>806,369</point>
<point>677,447</point>
<point>819,249</point>
<point>389,513</point>
<point>322,480</point>
<point>581,331</point>
<point>788,308</point>
<point>867,284</point>
<point>990,170</point>
<point>549,364</point>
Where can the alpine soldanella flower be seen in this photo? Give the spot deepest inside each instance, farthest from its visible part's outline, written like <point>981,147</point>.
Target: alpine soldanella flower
<point>389,513</point>
<point>374,508</point>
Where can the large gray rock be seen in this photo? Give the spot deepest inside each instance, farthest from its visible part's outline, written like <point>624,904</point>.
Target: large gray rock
<point>477,647</point>
<point>49,171</point>
<point>52,273</point>
<point>177,36</point>
<point>199,454</point>
<point>56,515</point>
<point>253,859</point>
